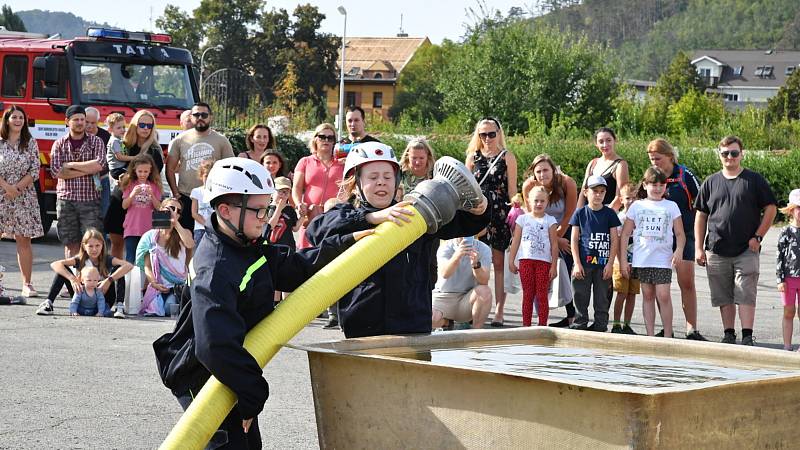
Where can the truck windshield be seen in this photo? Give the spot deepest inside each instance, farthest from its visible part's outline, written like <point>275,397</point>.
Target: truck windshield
<point>110,82</point>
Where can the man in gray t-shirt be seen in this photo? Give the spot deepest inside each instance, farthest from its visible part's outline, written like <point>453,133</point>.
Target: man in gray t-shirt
<point>187,151</point>
<point>462,291</point>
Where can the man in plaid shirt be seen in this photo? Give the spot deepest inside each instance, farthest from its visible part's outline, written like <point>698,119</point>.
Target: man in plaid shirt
<point>77,158</point>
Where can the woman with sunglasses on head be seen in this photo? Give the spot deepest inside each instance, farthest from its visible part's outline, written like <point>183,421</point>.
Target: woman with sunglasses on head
<point>162,256</point>
<point>259,140</point>
<point>140,137</point>
<point>495,168</point>
<point>315,178</point>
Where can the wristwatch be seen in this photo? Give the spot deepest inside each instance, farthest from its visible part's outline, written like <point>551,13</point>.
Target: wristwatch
<point>477,265</point>
<point>758,238</point>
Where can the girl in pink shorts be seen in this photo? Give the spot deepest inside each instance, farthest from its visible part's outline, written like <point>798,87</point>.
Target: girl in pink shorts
<point>788,266</point>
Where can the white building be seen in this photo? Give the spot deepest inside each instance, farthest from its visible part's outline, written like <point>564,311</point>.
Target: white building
<point>744,77</point>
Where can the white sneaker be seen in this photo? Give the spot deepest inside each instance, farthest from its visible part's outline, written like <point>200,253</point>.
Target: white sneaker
<point>120,312</point>
<point>29,291</point>
<point>45,308</point>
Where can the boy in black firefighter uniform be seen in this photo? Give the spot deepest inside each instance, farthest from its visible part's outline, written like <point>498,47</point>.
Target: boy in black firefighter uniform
<point>237,273</point>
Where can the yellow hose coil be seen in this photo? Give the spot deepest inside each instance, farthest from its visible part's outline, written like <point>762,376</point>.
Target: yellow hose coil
<point>213,403</point>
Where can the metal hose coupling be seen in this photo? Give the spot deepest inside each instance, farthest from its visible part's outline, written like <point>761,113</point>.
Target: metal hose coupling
<point>452,188</point>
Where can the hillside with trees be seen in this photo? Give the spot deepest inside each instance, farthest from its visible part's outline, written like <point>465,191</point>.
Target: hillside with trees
<point>66,24</point>
<point>647,34</point>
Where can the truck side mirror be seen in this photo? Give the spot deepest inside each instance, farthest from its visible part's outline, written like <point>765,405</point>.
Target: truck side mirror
<point>50,66</point>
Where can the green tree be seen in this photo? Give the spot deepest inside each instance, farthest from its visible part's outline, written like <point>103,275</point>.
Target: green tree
<point>287,90</point>
<point>680,78</point>
<point>516,70</point>
<point>227,23</point>
<point>279,40</point>
<point>785,105</point>
<point>270,38</point>
<point>694,112</point>
<point>417,98</point>
<point>11,21</point>
<point>183,28</point>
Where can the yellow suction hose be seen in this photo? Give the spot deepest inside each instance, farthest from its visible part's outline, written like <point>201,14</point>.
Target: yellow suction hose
<point>215,400</point>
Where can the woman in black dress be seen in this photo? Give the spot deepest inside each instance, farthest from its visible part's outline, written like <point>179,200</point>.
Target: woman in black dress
<point>495,168</point>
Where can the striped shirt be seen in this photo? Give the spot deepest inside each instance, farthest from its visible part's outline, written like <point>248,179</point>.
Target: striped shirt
<point>79,189</point>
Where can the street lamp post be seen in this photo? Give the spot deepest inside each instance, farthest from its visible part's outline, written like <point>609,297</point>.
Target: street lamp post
<point>202,58</point>
<point>343,12</point>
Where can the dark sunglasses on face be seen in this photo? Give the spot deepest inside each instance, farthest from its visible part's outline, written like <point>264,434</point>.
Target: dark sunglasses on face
<point>200,115</point>
<point>731,153</point>
<point>173,209</point>
<point>143,125</point>
<point>326,137</point>
<point>490,135</point>
<point>261,213</point>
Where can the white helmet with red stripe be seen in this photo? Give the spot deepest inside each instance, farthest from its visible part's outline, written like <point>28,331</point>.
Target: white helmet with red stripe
<point>368,152</point>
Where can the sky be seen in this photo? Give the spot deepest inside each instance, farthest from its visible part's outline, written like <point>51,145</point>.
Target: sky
<point>435,19</point>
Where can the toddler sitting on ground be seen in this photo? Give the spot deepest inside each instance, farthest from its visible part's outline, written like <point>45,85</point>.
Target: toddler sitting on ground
<point>89,301</point>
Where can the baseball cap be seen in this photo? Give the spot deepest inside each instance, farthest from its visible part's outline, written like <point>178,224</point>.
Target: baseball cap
<point>596,180</point>
<point>794,197</point>
<point>75,109</point>
<point>283,183</point>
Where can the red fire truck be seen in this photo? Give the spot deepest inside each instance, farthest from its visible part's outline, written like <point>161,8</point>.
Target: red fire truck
<point>112,70</point>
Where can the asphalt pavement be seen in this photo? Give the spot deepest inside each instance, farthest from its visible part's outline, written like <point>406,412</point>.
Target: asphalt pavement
<point>86,382</point>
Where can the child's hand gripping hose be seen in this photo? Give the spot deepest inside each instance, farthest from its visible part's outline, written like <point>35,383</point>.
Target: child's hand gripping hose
<point>434,204</point>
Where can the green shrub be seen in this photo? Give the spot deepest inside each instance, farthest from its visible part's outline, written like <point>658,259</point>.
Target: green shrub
<point>292,148</point>
<point>695,111</point>
<point>573,154</point>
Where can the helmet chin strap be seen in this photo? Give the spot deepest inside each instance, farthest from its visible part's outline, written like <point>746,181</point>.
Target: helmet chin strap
<point>239,231</point>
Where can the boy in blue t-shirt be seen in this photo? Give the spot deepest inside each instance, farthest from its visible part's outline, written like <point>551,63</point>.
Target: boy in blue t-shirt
<point>594,248</point>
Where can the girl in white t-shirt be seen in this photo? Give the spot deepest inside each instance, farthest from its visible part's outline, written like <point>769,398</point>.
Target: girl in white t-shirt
<point>535,246</point>
<point>653,220</point>
<point>201,210</point>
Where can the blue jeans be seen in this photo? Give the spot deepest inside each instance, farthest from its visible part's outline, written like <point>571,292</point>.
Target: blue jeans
<point>92,312</point>
<point>105,195</point>
<point>591,288</point>
<point>131,242</point>
<point>198,234</point>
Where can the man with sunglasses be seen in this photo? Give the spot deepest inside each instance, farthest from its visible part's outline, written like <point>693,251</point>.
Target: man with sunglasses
<point>735,208</point>
<point>187,151</point>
